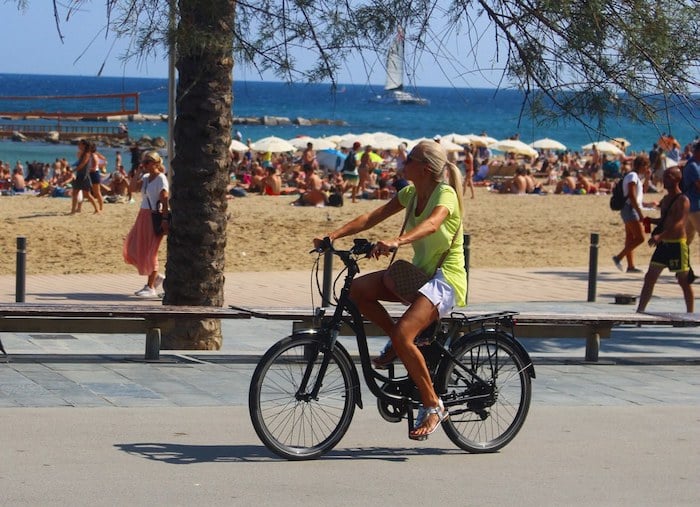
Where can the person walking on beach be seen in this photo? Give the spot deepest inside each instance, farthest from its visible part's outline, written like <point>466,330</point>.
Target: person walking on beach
<point>670,241</point>
<point>691,188</point>
<point>95,176</point>
<point>82,178</point>
<point>468,170</point>
<point>141,244</point>
<point>351,178</point>
<point>434,230</point>
<point>633,188</point>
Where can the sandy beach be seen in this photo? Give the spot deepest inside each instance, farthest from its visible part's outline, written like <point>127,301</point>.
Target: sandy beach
<point>267,234</point>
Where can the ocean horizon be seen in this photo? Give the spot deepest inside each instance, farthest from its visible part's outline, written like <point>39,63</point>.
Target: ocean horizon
<point>451,110</point>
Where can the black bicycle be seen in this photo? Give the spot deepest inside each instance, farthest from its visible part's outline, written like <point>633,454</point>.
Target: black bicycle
<point>305,388</point>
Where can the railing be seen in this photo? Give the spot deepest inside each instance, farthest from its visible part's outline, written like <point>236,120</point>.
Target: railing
<point>64,131</point>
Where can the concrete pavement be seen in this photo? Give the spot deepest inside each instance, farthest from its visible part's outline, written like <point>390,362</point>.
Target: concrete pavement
<point>563,456</point>
<point>85,421</point>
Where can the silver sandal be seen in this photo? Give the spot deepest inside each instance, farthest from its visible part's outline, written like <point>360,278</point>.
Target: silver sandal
<point>423,413</point>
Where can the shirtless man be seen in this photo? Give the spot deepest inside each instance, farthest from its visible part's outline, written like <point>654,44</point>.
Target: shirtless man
<point>567,184</point>
<point>272,184</point>
<point>312,193</point>
<point>670,241</point>
<point>585,185</point>
<point>518,184</point>
<point>308,158</point>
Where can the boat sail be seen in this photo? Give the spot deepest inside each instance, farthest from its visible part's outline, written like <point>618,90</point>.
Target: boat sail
<point>393,89</point>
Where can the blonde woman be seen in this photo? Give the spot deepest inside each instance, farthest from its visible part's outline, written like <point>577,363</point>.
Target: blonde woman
<point>141,244</point>
<point>434,226</point>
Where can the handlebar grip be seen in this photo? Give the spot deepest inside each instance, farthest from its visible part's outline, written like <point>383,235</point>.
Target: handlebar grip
<point>326,244</point>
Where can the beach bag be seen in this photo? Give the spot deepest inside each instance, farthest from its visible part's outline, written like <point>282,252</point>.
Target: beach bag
<point>156,215</point>
<point>335,199</point>
<point>404,280</point>
<point>157,220</point>
<point>617,199</point>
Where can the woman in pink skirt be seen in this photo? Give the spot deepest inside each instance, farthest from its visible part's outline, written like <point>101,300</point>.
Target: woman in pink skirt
<point>142,243</point>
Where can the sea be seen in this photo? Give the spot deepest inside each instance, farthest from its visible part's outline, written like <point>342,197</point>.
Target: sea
<point>451,110</point>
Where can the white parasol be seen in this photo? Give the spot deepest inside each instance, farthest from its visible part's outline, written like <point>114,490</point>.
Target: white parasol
<point>548,144</point>
<point>603,147</point>
<point>273,144</point>
<point>482,141</point>
<point>318,143</point>
<point>514,146</point>
<point>236,145</point>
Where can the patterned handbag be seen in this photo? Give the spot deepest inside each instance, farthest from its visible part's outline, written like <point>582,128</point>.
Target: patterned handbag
<point>404,279</point>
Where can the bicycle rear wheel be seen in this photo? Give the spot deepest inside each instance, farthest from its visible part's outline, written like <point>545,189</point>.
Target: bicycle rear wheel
<point>494,408</point>
<point>290,423</point>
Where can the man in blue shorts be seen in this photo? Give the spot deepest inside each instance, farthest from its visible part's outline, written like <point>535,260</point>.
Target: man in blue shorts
<point>670,241</point>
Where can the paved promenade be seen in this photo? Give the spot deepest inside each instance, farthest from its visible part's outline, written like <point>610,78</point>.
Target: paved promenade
<point>86,422</point>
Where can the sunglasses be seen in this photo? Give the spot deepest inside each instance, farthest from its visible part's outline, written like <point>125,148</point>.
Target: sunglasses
<point>412,157</point>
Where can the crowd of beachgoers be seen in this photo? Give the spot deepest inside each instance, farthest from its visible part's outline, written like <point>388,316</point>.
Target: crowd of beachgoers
<point>320,177</point>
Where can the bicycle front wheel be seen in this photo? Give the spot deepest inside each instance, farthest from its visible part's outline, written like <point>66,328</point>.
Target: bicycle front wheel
<point>289,420</point>
<point>492,383</point>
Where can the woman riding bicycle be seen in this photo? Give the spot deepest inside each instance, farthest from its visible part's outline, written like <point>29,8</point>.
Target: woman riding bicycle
<point>433,229</point>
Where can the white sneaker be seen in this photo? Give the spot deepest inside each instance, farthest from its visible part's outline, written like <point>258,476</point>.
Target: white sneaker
<point>147,292</point>
<point>158,283</point>
<point>141,290</point>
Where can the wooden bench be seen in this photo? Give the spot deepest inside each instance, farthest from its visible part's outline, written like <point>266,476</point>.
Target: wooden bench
<point>107,319</point>
<point>592,327</point>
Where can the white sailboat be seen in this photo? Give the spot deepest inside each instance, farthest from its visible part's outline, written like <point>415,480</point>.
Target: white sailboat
<point>393,89</point>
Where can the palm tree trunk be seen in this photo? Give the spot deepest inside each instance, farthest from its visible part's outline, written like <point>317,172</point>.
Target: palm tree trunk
<point>197,241</point>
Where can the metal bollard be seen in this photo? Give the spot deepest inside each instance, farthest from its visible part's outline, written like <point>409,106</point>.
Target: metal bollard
<point>327,279</point>
<point>20,274</point>
<point>466,248</point>
<point>593,267</point>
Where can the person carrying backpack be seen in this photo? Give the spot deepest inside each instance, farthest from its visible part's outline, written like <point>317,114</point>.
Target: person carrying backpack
<point>351,177</point>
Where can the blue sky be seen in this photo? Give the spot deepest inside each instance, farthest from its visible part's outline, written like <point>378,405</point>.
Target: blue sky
<point>35,48</point>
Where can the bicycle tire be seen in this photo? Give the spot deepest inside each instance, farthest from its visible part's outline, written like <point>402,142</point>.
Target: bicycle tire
<point>485,424</point>
<point>293,428</point>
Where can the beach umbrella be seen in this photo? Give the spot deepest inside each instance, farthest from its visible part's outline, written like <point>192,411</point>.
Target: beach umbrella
<point>273,144</point>
<point>385,141</point>
<point>319,144</point>
<point>330,159</point>
<point>458,138</point>
<point>334,138</point>
<point>349,139</point>
<point>481,141</point>
<point>448,145</point>
<point>621,143</point>
<point>603,147</point>
<point>548,144</point>
<point>514,146</point>
<point>237,146</point>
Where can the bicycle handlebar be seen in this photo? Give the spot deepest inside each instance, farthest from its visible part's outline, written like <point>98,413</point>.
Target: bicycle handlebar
<point>360,247</point>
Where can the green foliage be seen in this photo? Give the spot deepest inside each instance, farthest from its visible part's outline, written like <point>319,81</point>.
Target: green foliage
<point>580,58</point>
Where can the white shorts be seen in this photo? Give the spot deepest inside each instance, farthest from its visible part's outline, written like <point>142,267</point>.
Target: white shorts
<point>440,293</point>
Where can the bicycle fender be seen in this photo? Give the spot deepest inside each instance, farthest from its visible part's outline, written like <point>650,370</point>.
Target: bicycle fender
<point>520,350</point>
<point>344,352</point>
